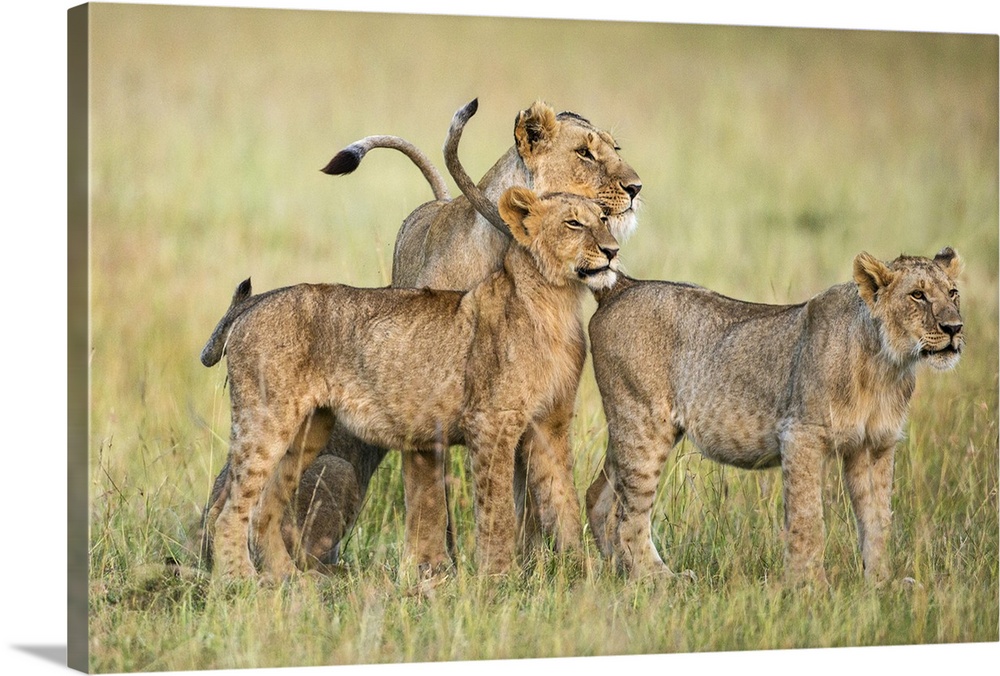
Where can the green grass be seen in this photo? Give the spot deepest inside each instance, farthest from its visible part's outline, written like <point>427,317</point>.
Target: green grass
<point>769,159</point>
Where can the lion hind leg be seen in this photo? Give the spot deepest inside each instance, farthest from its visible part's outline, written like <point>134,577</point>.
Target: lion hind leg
<point>326,507</point>
<point>310,438</point>
<point>637,462</point>
<point>253,459</point>
<point>602,508</point>
<point>217,500</point>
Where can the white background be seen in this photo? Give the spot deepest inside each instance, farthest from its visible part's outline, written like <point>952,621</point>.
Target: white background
<point>33,327</point>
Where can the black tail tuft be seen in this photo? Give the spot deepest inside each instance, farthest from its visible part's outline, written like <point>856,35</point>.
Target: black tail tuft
<point>465,113</point>
<point>344,162</point>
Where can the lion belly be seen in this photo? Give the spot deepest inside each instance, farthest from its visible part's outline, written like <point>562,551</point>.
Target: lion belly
<point>739,448</point>
<point>742,437</point>
<point>397,427</point>
<point>391,363</point>
<point>402,400</point>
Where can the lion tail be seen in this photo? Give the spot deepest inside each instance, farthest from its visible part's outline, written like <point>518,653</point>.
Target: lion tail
<point>216,345</point>
<point>476,198</point>
<point>348,159</point>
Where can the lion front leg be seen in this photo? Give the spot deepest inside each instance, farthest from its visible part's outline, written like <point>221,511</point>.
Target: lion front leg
<point>868,478</point>
<point>802,456</point>
<point>491,441</point>
<point>549,462</point>
<point>427,523</point>
<point>529,530</point>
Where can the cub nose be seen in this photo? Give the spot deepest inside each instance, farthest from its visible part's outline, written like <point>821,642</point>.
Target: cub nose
<point>632,189</point>
<point>610,252</point>
<point>952,328</point>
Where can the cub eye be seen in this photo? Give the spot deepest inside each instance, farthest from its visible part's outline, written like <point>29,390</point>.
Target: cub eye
<point>918,295</point>
<point>585,153</point>
<point>574,224</point>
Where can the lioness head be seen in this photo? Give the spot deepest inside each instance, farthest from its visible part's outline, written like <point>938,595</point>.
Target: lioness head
<point>916,301</point>
<point>566,153</point>
<point>566,234</point>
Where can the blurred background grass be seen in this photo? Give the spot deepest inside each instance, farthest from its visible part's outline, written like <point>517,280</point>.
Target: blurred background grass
<point>769,158</point>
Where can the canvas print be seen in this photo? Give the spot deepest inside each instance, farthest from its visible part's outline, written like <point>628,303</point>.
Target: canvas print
<point>417,338</point>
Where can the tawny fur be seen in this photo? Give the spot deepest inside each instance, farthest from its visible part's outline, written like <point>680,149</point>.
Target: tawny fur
<point>759,386</point>
<point>446,244</point>
<point>414,370</point>
<point>314,518</point>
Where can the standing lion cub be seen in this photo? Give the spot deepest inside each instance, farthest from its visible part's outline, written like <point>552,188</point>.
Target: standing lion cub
<point>764,385</point>
<point>415,369</point>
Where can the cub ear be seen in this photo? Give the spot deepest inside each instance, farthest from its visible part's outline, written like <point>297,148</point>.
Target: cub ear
<point>949,261</point>
<point>534,127</point>
<point>514,206</point>
<point>242,292</point>
<point>871,275</point>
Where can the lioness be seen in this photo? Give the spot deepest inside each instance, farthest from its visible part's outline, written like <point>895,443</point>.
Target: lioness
<point>414,369</point>
<point>446,244</point>
<point>764,385</point>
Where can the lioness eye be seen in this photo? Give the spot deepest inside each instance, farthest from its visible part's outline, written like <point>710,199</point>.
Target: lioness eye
<point>585,153</point>
<point>917,295</point>
<point>575,225</point>
<point>953,293</point>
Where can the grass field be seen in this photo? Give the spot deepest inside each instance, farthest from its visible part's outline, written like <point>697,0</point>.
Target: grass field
<point>769,157</point>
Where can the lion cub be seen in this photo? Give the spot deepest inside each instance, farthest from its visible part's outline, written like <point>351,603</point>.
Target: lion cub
<point>764,385</point>
<point>415,369</point>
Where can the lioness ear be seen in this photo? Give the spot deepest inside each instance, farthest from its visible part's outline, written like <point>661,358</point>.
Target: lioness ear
<point>871,275</point>
<point>514,206</point>
<point>533,127</point>
<point>949,262</point>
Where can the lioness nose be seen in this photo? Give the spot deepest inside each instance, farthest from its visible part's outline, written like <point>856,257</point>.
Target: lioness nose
<point>952,328</point>
<point>610,252</point>
<point>632,189</point>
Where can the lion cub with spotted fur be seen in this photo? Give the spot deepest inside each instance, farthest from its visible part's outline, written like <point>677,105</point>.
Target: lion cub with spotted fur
<point>415,370</point>
<point>759,386</point>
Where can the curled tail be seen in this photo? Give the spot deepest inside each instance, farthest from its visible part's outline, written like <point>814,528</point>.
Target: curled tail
<point>348,159</point>
<point>212,352</point>
<point>468,187</point>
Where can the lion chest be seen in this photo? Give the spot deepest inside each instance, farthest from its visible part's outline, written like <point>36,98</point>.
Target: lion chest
<point>523,358</point>
<point>871,416</point>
